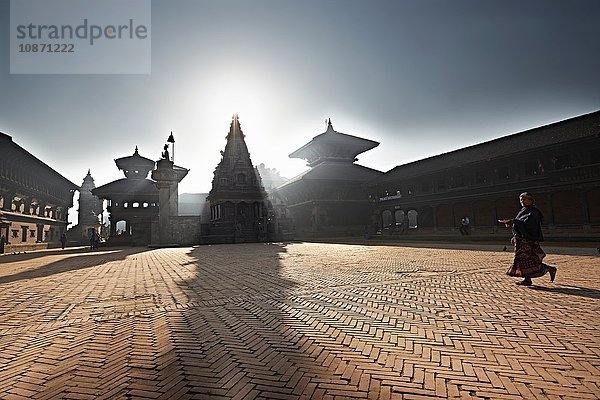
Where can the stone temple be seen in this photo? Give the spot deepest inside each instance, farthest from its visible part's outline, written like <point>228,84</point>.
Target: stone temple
<point>90,213</point>
<point>239,208</point>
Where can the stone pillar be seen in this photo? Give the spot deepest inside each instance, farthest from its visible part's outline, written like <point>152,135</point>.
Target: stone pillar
<point>8,200</point>
<point>113,226</point>
<point>166,182</point>
<point>41,211</point>
<point>27,206</point>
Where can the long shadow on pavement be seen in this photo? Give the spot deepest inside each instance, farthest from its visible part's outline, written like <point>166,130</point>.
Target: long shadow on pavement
<point>84,258</point>
<point>241,342</point>
<point>570,290</point>
<point>30,255</point>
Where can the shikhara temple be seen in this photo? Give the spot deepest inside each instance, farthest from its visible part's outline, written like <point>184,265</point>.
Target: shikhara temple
<point>90,213</point>
<point>335,197</point>
<point>239,208</point>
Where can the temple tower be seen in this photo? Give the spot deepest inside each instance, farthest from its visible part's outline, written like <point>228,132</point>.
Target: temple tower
<point>329,199</point>
<point>89,212</point>
<point>238,201</point>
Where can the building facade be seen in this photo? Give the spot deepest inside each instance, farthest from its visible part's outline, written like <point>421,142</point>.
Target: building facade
<point>559,163</point>
<point>34,200</point>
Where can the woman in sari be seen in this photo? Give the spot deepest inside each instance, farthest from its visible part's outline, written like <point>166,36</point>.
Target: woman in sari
<point>527,235</point>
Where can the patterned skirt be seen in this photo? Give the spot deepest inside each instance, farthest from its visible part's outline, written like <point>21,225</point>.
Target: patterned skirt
<point>528,259</point>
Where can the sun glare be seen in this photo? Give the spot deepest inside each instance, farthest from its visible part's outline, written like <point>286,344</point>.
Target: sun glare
<point>205,108</point>
<point>248,95</point>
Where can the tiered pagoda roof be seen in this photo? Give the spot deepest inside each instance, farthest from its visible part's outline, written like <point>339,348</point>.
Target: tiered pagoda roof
<point>136,168</point>
<point>333,146</point>
<point>331,156</point>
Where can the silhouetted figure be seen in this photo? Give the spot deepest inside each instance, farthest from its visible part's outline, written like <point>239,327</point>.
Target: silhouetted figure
<point>504,248</point>
<point>2,243</point>
<point>165,153</point>
<point>405,224</point>
<point>94,240</point>
<point>465,223</point>
<point>63,240</point>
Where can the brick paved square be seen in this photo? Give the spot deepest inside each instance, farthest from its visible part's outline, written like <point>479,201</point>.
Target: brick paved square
<point>299,320</point>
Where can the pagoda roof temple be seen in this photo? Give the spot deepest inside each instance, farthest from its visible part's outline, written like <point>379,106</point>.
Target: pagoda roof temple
<point>333,146</point>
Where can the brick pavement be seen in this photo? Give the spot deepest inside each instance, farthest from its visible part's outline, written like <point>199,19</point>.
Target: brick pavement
<point>294,321</point>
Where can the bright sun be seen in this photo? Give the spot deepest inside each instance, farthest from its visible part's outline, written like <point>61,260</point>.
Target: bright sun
<point>248,95</point>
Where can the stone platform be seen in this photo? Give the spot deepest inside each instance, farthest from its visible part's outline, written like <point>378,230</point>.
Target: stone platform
<point>299,320</point>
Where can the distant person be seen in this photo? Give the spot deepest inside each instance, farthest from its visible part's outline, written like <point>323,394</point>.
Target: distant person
<point>465,223</point>
<point>94,239</point>
<point>527,233</point>
<point>63,240</point>
<point>405,224</point>
<point>2,243</point>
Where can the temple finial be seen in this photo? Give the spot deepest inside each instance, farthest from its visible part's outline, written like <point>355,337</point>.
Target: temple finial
<point>136,150</point>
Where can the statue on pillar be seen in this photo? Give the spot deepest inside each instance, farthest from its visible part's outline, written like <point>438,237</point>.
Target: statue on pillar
<point>165,153</point>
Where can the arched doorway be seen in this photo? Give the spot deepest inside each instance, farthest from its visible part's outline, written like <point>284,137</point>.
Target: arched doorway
<point>413,219</point>
<point>387,219</point>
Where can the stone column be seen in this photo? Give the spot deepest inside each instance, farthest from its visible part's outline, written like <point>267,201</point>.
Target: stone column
<point>165,177</point>
<point>27,206</point>
<point>41,211</point>
<point>113,226</point>
<point>8,200</point>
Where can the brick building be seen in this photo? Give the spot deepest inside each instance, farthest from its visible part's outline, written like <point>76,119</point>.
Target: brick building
<point>559,163</point>
<point>34,200</point>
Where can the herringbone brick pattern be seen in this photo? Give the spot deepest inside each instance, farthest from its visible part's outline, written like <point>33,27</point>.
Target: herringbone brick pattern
<point>295,321</point>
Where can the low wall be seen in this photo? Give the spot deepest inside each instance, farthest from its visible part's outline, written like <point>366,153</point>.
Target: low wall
<point>20,247</point>
<point>182,230</point>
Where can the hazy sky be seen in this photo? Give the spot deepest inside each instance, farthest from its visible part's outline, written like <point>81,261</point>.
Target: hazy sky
<point>422,77</point>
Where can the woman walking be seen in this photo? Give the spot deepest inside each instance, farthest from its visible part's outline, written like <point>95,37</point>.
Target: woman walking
<point>527,235</point>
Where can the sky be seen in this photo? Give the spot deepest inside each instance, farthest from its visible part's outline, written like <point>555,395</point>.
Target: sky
<point>422,77</point>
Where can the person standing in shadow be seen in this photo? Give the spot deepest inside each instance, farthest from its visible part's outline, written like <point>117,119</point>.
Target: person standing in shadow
<point>465,222</point>
<point>527,235</point>
<point>2,243</point>
<point>63,240</point>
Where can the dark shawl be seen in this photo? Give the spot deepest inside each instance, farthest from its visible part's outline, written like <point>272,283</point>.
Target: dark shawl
<point>528,224</point>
